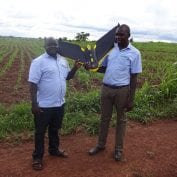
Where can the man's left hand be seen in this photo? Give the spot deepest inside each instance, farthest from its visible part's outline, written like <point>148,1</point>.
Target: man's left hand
<point>129,106</point>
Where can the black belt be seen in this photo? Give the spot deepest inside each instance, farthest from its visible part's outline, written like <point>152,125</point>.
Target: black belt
<point>114,86</point>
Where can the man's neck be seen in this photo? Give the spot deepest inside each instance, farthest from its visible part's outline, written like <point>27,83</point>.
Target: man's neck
<point>123,46</point>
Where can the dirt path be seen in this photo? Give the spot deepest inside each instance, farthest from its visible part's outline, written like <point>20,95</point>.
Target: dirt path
<point>150,151</point>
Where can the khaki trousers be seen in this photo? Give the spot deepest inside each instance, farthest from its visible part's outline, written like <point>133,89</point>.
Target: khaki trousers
<point>113,97</point>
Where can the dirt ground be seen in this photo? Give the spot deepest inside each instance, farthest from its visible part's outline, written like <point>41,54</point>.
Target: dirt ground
<point>150,151</point>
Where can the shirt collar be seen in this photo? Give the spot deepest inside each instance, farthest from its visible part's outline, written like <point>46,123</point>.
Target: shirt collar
<point>127,48</point>
<point>48,56</point>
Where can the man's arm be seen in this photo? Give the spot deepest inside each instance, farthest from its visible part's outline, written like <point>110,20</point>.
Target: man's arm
<point>133,83</point>
<point>33,91</point>
<point>71,74</point>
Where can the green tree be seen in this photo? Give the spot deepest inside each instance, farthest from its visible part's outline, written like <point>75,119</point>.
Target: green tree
<point>63,39</point>
<point>82,36</point>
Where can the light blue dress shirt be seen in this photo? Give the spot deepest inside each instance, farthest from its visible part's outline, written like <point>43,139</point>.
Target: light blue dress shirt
<point>50,76</point>
<point>120,64</point>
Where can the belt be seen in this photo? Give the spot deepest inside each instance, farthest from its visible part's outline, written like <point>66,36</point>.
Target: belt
<point>114,86</point>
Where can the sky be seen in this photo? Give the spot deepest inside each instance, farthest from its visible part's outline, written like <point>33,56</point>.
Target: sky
<point>149,20</point>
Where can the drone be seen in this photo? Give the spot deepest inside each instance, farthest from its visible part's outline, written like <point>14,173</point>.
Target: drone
<point>91,54</point>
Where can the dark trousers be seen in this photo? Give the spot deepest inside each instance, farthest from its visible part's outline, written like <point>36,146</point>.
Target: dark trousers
<point>50,118</point>
<point>113,97</point>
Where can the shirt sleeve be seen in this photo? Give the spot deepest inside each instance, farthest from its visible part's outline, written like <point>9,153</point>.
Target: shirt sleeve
<point>34,72</point>
<point>136,64</point>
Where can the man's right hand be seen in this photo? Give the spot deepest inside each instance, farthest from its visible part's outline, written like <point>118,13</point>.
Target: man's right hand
<point>35,109</point>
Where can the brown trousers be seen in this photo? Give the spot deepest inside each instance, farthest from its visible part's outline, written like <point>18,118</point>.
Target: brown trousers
<point>109,98</point>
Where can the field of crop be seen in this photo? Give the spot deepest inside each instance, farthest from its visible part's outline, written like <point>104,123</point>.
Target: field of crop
<point>156,84</point>
<point>16,55</point>
<point>15,58</point>
<point>156,95</point>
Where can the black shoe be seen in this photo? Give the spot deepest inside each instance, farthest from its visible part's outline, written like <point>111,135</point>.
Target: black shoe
<point>59,153</point>
<point>37,164</point>
<point>118,156</point>
<point>95,150</point>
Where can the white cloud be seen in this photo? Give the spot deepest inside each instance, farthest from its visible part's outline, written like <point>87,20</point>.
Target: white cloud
<point>148,19</point>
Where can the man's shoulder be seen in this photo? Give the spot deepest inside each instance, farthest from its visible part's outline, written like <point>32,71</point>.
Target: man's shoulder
<point>41,56</point>
<point>39,59</point>
<point>62,59</point>
<point>134,49</point>
<point>113,50</point>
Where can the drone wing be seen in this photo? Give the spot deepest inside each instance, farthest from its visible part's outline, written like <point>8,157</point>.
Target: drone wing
<point>105,43</point>
<point>101,48</point>
<point>72,51</point>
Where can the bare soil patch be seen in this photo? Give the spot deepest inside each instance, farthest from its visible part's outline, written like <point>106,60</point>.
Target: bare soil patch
<point>150,151</point>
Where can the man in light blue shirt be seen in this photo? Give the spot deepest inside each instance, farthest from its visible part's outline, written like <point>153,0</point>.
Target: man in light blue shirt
<point>47,77</point>
<point>121,68</point>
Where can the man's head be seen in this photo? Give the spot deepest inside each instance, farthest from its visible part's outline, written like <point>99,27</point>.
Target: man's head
<point>122,36</point>
<point>51,46</point>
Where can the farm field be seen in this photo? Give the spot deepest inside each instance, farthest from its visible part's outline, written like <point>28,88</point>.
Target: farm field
<point>150,148</point>
<point>16,55</point>
<point>15,58</point>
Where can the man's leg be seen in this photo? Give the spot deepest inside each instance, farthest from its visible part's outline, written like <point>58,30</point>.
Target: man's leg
<point>41,121</point>
<point>107,101</point>
<point>53,131</point>
<point>121,100</point>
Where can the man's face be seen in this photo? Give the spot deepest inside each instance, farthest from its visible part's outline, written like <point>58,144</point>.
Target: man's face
<point>122,36</point>
<point>51,47</point>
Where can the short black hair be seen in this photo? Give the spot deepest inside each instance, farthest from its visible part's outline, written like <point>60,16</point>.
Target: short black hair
<point>50,41</point>
<point>127,28</point>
